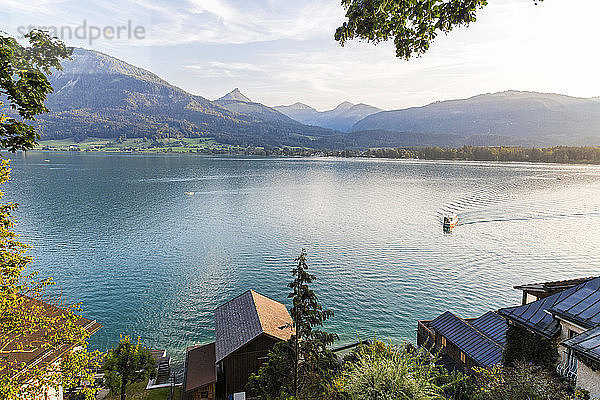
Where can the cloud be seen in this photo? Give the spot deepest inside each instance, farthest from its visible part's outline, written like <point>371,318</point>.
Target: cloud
<point>282,51</point>
<point>229,22</point>
<point>218,69</point>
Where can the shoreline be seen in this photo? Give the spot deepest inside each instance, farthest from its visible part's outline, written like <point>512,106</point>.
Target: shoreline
<point>370,154</point>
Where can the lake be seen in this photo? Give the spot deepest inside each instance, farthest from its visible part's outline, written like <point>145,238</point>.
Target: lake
<point>118,233</point>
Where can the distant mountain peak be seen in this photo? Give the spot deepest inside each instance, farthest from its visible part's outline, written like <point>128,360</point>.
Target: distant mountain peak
<point>346,105</point>
<point>235,95</point>
<point>300,106</point>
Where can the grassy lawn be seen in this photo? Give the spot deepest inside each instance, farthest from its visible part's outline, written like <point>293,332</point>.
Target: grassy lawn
<point>169,145</point>
<point>138,392</point>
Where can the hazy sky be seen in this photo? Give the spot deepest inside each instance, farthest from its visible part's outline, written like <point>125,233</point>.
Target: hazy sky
<point>282,51</point>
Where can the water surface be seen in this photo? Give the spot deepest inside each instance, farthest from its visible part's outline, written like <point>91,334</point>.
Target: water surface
<point>118,233</point>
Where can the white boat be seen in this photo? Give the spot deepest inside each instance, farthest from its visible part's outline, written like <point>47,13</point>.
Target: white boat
<point>189,193</point>
<point>450,222</point>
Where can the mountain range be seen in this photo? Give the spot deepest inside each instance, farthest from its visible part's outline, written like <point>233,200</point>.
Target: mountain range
<point>97,95</point>
<point>537,118</point>
<point>341,118</point>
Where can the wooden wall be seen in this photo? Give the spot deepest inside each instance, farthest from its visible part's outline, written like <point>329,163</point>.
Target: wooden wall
<point>202,393</point>
<point>454,353</point>
<point>238,366</point>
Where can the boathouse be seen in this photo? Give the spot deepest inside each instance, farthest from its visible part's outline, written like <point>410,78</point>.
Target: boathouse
<point>200,373</point>
<point>246,329</point>
<point>465,343</point>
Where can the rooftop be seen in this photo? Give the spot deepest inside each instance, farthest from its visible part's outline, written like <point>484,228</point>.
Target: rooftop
<point>575,303</point>
<point>587,344</point>
<point>200,369</point>
<point>581,307</point>
<point>553,286</point>
<point>35,348</point>
<point>244,318</point>
<point>482,339</point>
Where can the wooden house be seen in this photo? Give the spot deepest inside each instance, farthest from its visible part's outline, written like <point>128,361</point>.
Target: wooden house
<point>200,378</point>
<point>246,328</point>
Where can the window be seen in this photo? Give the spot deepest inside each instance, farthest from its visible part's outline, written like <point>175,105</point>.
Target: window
<point>463,358</point>
<point>572,334</point>
<point>204,395</point>
<point>443,341</point>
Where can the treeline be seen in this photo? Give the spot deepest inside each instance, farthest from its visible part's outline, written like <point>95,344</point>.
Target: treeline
<point>557,154</point>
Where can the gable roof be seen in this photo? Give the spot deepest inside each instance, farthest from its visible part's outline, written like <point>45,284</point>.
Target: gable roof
<point>582,307</point>
<point>587,344</point>
<point>246,317</point>
<point>33,349</point>
<point>200,367</point>
<point>493,326</point>
<point>479,345</point>
<point>574,304</point>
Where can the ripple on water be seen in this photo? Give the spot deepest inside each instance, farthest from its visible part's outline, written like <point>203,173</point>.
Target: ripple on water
<point>117,233</point>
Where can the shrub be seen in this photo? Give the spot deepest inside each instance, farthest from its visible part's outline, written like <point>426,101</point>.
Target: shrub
<point>382,372</point>
<point>522,381</point>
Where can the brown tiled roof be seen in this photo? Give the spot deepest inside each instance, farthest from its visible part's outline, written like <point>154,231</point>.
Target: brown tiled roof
<point>247,316</point>
<point>200,366</point>
<point>33,349</point>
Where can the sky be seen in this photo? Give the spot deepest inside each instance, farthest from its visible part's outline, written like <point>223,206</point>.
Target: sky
<point>282,51</point>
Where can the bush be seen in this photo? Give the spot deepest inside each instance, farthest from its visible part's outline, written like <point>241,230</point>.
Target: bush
<point>381,372</point>
<point>522,345</point>
<point>523,381</point>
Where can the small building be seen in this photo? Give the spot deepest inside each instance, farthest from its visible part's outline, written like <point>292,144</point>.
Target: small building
<point>34,350</point>
<point>463,344</point>
<point>246,329</point>
<point>570,317</point>
<point>200,378</point>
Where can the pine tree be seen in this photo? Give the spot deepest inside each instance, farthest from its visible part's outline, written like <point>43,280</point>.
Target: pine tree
<point>314,361</point>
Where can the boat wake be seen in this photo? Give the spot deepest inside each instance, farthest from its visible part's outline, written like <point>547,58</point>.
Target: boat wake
<point>519,200</point>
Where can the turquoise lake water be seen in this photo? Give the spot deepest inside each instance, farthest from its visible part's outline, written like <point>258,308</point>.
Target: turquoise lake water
<point>118,233</point>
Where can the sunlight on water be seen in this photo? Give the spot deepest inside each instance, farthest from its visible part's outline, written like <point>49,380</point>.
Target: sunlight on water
<point>118,233</point>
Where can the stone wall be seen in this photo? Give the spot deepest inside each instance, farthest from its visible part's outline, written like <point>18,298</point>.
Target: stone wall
<point>589,380</point>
